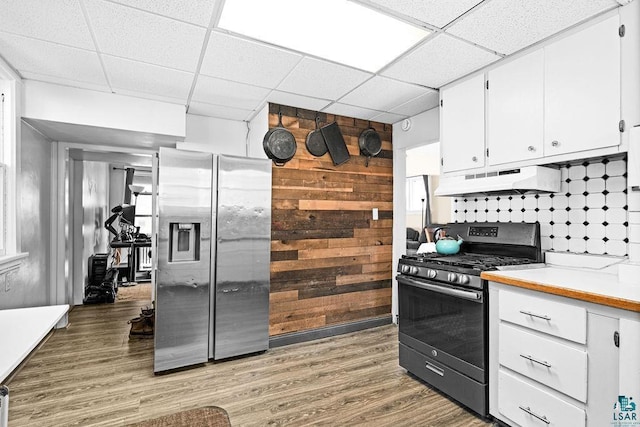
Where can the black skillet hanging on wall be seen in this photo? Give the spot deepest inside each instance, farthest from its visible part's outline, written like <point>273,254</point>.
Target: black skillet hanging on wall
<point>370,143</point>
<point>279,143</point>
<point>315,141</point>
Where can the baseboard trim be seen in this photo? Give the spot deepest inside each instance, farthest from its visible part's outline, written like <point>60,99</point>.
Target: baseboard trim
<point>327,331</point>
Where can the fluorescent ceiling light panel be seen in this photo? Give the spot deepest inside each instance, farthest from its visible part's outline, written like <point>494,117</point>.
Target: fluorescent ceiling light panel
<point>337,30</point>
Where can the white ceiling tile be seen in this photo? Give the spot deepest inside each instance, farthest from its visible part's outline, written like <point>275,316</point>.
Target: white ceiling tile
<point>291,99</point>
<point>350,111</point>
<point>439,61</point>
<point>232,94</point>
<point>388,118</point>
<point>209,110</point>
<point>435,12</point>
<point>381,93</point>
<point>141,36</point>
<point>623,2</point>
<point>27,75</point>
<point>244,61</point>
<point>31,55</point>
<point>145,78</point>
<point>150,96</point>
<point>58,21</point>
<point>322,79</point>
<point>418,105</point>
<point>195,11</point>
<point>507,26</point>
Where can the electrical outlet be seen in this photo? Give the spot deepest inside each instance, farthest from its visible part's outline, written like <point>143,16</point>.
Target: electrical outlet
<point>375,214</point>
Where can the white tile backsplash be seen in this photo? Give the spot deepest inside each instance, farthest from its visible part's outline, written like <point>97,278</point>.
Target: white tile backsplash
<point>589,214</point>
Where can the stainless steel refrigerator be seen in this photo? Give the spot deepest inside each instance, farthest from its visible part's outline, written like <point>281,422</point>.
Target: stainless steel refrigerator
<point>214,237</point>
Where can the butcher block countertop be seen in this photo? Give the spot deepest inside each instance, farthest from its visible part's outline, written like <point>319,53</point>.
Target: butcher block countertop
<point>591,286</point>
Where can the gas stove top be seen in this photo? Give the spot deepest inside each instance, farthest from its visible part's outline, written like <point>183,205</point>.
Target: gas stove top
<point>485,247</point>
<point>479,262</point>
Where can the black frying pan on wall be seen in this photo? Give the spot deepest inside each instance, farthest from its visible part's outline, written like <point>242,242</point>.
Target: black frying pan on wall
<point>279,144</point>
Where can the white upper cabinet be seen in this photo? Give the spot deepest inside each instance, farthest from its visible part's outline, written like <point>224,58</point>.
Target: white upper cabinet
<point>462,125</point>
<point>582,90</point>
<point>515,105</point>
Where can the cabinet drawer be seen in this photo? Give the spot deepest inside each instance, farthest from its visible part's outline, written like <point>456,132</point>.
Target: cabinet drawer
<point>523,403</point>
<point>538,313</point>
<point>554,364</point>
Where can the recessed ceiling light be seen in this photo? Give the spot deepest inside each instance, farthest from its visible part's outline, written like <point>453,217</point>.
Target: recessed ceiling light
<point>337,30</point>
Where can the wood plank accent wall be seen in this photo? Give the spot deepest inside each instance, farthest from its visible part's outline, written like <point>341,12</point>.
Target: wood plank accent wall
<point>330,261</point>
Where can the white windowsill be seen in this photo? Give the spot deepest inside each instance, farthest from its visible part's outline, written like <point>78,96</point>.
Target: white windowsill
<point>11,262</point>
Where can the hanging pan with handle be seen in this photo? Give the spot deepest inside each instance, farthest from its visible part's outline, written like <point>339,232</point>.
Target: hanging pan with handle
<point>370,143</point>
<point>315,141</point>
<point>279,144</point>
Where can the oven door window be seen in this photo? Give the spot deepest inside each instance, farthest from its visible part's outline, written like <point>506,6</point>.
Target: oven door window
<point>450,323</point>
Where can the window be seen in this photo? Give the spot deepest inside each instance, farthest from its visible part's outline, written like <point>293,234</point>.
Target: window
<point>9,146</point>
<point>415,194</point>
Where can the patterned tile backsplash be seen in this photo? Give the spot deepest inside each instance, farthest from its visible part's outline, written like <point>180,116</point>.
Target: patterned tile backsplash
<point>588,215</point>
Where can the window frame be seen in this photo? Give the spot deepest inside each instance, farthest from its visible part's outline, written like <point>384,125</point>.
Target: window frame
<point>10,87</point>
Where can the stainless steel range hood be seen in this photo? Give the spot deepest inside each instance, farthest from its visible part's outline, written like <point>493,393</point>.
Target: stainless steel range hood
<point>522,180</point>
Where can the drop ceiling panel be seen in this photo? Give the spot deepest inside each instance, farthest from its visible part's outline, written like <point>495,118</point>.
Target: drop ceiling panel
<point>27,75</point>
<point>232,94</point>
<point>244,61</point>
<point>145,78</point>
<point>58,21</point>
<point>145,37</point>
<point>70,63</point>
<point>197,12</point>
<point>418,105</point>
<point>322,79</point>
<point>350,111</point>
<point>439,61</point>
<point>294,100</point>
<point>389,118</point>
<point>435,12</point>
<point>222,112</point>
<point>381,93</point>
<point>507,26</point>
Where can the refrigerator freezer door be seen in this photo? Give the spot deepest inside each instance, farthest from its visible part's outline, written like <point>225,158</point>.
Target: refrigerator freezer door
<point>184,258</point>
<point>243,255</point>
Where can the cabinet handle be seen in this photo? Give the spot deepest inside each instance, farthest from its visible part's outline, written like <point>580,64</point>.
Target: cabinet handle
<point>533,414</point>
<point>555,143</point>
<point>531,148</point>
<point>539,316</point>
<point>434,369</point>
<point>474,158</point>
<point>540,362</point>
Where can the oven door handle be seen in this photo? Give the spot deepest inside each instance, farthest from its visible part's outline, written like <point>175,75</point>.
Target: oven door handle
<point>458,293</point>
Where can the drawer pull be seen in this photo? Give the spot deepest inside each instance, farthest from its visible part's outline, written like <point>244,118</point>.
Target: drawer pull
<point>540,362</point>
<point>533,414</point>
<point>434,369</point>
<point>539,316</point>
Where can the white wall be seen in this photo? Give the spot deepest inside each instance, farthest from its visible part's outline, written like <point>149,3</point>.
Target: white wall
<point>215,135</point>
<point>258,127</point>
<point>425,129</point>
<point>45,101</point>
<point>29,286</point>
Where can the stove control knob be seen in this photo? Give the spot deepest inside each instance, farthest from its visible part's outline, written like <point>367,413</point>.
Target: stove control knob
<point>452,277</point>
<point>414,270</point>
<point>404,269</point>
<point>431,274</point>
<point>463,279</point>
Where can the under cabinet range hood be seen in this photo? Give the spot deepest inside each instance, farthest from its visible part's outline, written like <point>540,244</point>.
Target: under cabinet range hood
<point>522,180</point>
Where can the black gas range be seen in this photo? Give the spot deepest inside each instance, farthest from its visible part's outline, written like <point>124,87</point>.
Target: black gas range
<point>443,306</point>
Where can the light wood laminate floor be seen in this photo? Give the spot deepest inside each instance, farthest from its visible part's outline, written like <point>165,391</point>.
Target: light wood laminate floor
<point>92,374</point>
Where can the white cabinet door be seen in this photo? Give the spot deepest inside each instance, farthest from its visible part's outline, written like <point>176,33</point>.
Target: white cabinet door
<point>603,368</point>
<point>462,125</point>
<point>582,90</point>
<point>515,105</point>
<point>629,379</point>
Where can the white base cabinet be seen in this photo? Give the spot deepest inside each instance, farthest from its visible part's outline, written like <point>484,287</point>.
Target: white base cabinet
<point>556,361</point>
